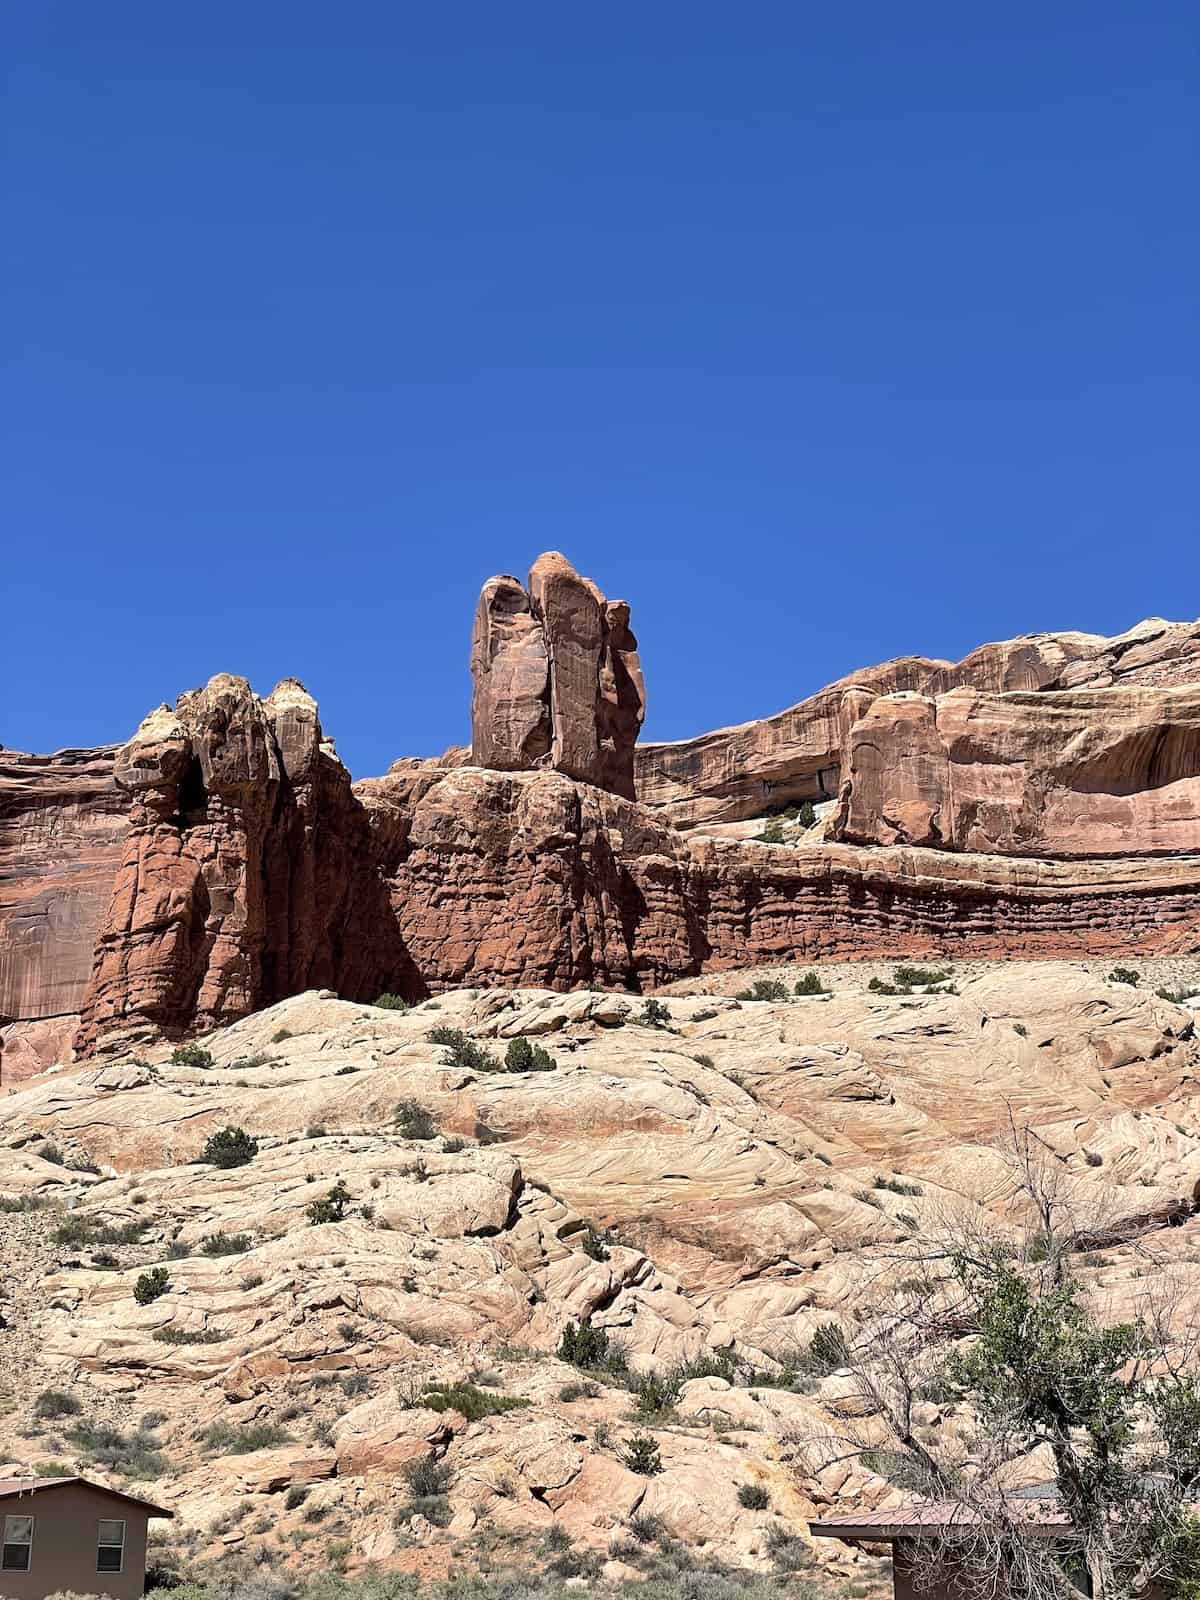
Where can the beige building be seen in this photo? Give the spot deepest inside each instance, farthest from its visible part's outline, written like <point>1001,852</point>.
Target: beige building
<point>67,1533</point>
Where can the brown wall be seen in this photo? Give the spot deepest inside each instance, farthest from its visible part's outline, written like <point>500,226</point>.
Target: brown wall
<point>64,1544</point>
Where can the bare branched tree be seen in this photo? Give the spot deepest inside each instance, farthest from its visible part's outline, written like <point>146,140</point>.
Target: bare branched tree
<point>985,1312</point>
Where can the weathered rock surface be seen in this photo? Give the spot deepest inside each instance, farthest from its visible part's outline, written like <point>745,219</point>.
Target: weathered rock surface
<point>747,1161</point>
<point>246,873</point>
<point>796,755</point>
<point>1101,772</point>
<point>557,679</point>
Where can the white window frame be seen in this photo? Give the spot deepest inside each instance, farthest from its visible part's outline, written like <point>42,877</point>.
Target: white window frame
<point>18,1516</point>
<point>111,1544</point>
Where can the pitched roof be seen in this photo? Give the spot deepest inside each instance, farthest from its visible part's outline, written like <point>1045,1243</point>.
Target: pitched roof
<point>18,1488</point>
<point>898,1522</point>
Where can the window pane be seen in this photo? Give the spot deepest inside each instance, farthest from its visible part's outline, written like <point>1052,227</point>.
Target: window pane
<point>108,1558</point>
<point>18,1530</point>
<point>112,1533</point>
<point>15,1558</point>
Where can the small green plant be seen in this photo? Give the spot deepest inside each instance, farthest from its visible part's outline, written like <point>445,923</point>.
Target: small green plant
<point>594,1244</point>
<point>317,1130</point>
<point>1021,1031</point>
<point>330,1209</point>
<point>52,1404</point>
<point>1125,975</point>
<point>1175,996</point>
<point>151,1285</point>
<point>772,833</point>
<point>827,1350</point>
<point>589,1348</point>
<point>295,1497</point>
<point>753,1496</point>
<point>230,1147</point>
<point>641,1455</point>
<point>226,1244</point>
<point>654,1014</point>
<point>587,1390</point>
<point>464,1053</point>
<point>878,986</point>
<point>391,1002</point>
<point>227,1438</point>
<point>787,1551</point>
<point>1093,1158</point>
<point>764,989</point>
<point>428,1477</point>
<point>469,1400</point>
<point>280,1035</point>
<point>133,1455</point>
<point>191,1055</point>
<point>415,1121</point>
<point>810,983</point>
<point>82,1232</point>
<point>898,1186</point>
<point>524,1056</point>
<point>919,977</point>
<point>188,1335</point>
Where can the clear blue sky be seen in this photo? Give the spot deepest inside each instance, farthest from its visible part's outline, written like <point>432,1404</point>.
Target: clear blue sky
<point>821,333</point>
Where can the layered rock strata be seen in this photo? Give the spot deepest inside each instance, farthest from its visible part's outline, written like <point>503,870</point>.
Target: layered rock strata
<point>557,679</point>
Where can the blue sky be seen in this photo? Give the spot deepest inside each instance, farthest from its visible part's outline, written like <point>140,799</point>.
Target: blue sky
<point>820,333</point>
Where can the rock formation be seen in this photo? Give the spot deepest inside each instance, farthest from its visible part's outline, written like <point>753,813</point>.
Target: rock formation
<point>246,875</point>
<point>557,681</point>
<point>796,755</point>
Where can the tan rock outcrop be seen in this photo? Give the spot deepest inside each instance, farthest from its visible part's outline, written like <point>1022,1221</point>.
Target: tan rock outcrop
<point>1081,773</point>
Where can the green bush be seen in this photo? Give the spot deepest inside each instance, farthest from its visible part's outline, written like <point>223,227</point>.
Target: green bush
<point>464,1053</point>
<point>83,1232</point>
<point>594,1244</point>
<point>469,1401</point>
<point>189,1335</point>
<point>415,1121</point>
<point>587,1390</point>
<point>1125,975</point>
<point>52,1404</point>
<point>810,983</point>
<point>827,1350</point>
<point>878,986</point>
<point>151,1285</point>
<point>1175,996</point>
<point>280,1035</point>
<point>332,1208</point>
<point>654,1014</point>
<point>590,1349</point>
<point>919,977</point>
<point>230,1147</point>
<point>523,1056</point>
<point>191,1055</point>
<point>772,833</point>
<point>391,1002</point>
<point>226,1244</point>
<point>764,989</point>
<point>428,1477</point>
<point>133,1455</point>
<point>641,1455</point>
<point>227,1438</point>
<point>753,1496</point>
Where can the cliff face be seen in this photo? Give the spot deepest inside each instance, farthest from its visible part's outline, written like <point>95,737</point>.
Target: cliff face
<point>1040,797</point>
<point>797,754</point>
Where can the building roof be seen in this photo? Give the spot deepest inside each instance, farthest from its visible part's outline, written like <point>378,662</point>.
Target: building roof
<point>18,1488</point>
<point>905,1522</point>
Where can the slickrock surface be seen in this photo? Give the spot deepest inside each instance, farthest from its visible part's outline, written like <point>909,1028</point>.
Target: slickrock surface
<point>748,1159</point>
<point>797,754</point>
<point>557,678</point>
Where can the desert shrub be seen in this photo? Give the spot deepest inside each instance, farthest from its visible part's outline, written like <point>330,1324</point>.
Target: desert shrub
<point>230,1147</point>
<point>464,1053</point>
<point>654,1014</point>
<point>827,1350</point>
<point>810,983</point>
<point>453,1145</point>
<point>54,1403</point>
<point>1093,1158</point>
<point>280,1035</point>
<point>1021,1031</point>
<point>427,1477</point>
<point>151,1285</point>
<point>191,1055</point>
<point>391,1002</point>
<point>469,1401</point>
<point>587,1390</point>
<point>753,1496</point>
<point>316,1130</point>
<point>772,833</point>
<point>330,1209</point>
<point>878,986</point>
<point>295,1497</point>
<point>594,1244</point>
<point>787,1551</point>
<point>84,1231</point>
<point>133,1455</point>
<point>641,1455</point>
<point>226,1244</point>
<point>1125,975</point>
<point>1175,996</point>
<point>919,977</point>
<point>188,1335</point>
<point>656,1392</point>
<point>415,1121</point>
<point>589,1348</point>
<point>12,1205</point>
<point>524,1056</point>
<point>228,1439</point>
<point>898,1186</point>
<point>703,1061</point>
<point>764,989</point>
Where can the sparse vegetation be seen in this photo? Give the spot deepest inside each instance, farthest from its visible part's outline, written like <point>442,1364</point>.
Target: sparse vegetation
<point>464,1053</point>
<point>827,1351</point>
<point>230,1147</point>
<point>585,1346</point>
<point>772,833</point>
<point>1125,975</point>
<point>594,1244</point>
<point>754,1497</point>
<point>228,1439</point>
<point>332,1208</point>
<point>188,1335</point>
<point>641,1455</point>
<point>191,1055</point>
<point>654,1014</point>
<point>469,1400</point>
<point>810,983</point>
<point>391,1002</point>
<point>85,1232</point>
<point>524,1056</point>
<point>53,1404</point>
<point>764,989</point>
<point>415,1121</point>
<point>151,1285</point>
<point>919,977</point>
<point>226,1244</point>
<point>133,1455</point>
